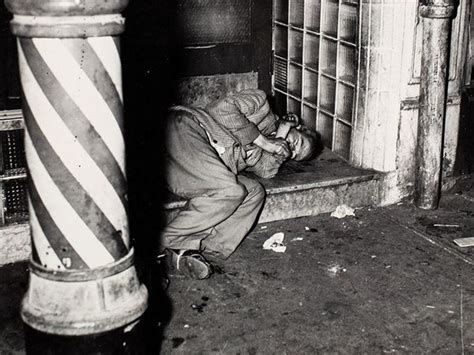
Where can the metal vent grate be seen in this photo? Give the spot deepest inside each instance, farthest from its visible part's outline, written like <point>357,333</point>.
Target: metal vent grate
<point>16,201</point>
<point>204,22</point>
<point>13,150</point>
<point>13,184</point>
<point>280,72</point>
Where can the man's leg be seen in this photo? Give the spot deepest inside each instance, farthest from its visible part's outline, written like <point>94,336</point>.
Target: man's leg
<point>225,237</point>
<point>196,172</point>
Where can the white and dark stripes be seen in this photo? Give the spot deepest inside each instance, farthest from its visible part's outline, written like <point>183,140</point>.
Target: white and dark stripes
<point>82,91</point>
<point>70,113</point>
<point>74,142</point>
<point>49,258</point>
<point>108,50</point>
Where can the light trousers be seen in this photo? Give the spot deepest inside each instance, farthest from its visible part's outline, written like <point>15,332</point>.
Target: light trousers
<point>222,206</point>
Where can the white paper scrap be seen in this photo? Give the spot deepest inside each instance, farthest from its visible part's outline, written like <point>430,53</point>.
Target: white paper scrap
<point>465,242</point>
<point>343,211</point>
<point>335,269</point>
<point>275,243</point>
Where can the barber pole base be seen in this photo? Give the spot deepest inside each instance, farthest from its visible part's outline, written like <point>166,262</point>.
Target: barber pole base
<point>81,303</point>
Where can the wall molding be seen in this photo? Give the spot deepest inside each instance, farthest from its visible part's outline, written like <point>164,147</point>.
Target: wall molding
<point>413,103</point>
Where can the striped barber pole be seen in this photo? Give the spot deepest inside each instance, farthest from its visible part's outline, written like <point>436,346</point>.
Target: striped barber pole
<point>83,281</point>
<point>74,141</point>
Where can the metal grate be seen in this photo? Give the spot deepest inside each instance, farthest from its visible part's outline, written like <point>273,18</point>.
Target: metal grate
<point>280,73</point>
<point>205,22</point>
<point>13,150</point>
<point>16,200</point>
<point>13,184</point>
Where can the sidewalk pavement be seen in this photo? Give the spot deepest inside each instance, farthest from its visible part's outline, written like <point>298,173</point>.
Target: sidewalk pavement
<point>387,280</point>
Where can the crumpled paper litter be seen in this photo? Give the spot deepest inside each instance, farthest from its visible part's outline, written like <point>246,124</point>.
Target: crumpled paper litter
<point>343,211</point>
<point>275,243</point>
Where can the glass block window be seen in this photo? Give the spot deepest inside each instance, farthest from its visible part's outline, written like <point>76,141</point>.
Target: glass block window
<point>315,65</point>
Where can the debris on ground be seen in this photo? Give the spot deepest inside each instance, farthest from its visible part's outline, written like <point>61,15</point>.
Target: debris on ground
<point>342,211</point>
<point>198,307</point>
<point>443,225</point>
<point>335,269</point>
<point>465,242</point>
<point>275,243</point>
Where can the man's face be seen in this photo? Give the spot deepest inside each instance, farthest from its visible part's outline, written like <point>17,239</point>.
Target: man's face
<point>299,143</point>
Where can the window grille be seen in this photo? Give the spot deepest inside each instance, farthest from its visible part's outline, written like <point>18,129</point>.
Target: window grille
<point>315,65</point>
<point>13,188</point>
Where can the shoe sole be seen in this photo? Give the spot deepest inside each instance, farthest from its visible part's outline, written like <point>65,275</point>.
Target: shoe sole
<point>191,266</point>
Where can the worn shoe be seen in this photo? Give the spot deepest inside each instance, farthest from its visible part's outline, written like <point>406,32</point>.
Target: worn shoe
<point>189,263</point>
<point>216,259</point>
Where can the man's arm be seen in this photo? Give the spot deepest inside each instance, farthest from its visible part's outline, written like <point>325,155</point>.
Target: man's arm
<point>241,113</point>
<point>276,146</point>
<point>275,152</point>
<point>268,165</point>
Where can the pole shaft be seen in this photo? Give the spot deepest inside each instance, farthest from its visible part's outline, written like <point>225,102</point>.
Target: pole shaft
<point>75,150</point>
<point>436,18</point>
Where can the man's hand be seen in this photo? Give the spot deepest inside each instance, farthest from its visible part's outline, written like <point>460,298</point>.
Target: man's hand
<point>276,146</point>
<point>292,118</point>
<point>286,123</point>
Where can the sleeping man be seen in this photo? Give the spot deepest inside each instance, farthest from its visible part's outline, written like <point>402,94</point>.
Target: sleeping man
<point>206,151</point>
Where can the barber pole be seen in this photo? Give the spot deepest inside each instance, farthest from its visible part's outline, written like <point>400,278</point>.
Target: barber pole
<point>82,277</point>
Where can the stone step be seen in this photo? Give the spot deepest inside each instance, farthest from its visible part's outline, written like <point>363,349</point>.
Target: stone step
<point>310,188</point>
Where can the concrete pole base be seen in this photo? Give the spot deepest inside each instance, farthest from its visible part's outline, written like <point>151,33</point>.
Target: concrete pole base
<point>84,302</point>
